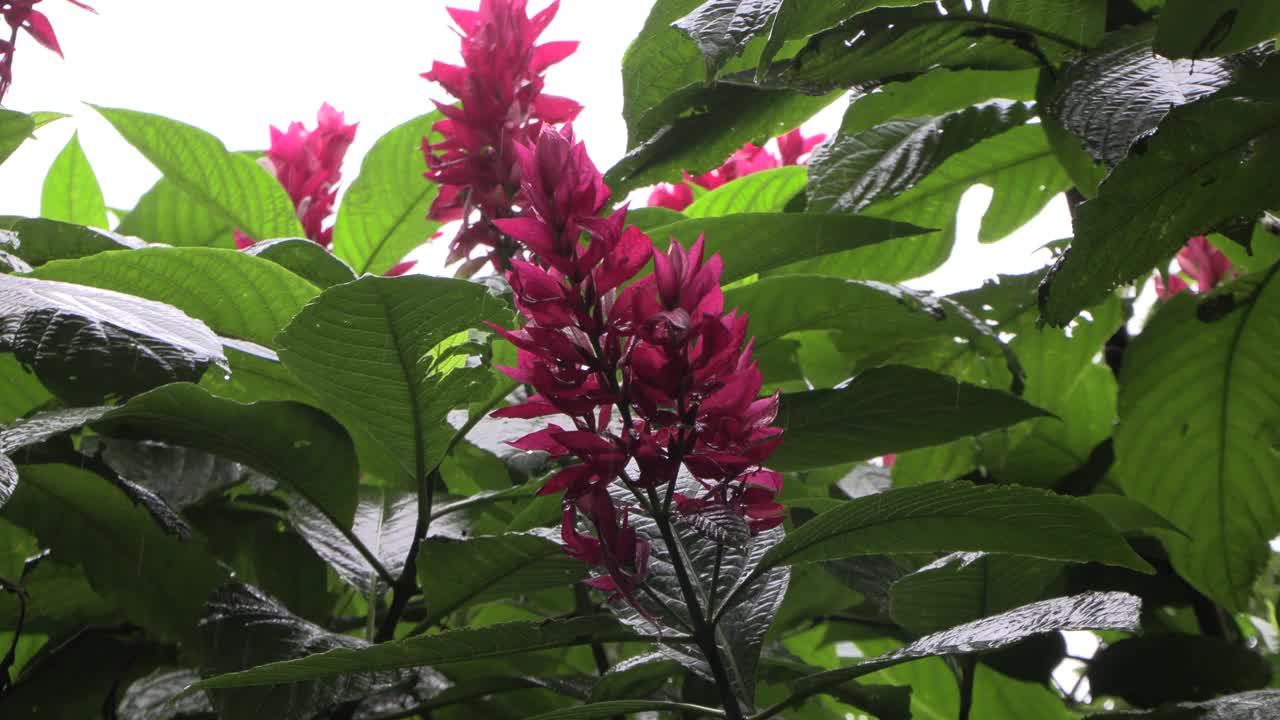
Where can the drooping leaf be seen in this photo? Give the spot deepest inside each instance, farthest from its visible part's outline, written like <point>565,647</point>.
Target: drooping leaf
<point>305,259</point>
<point>1197,30</point>
<point>456,572</point>
<point>385,521</point>
<point>767,191</point>
<point>1157,669</point>
<point>160,582</point>
<point>1208,163</point>
<point>888,410</point>
<point>447,647</point>
<point>242,627</point>
<point>71,192</point>
<point>1116,94</point>
<point>963,587</point>
<point>383,215</point>
<point>87,344</point>
<point>756,242</point>
<point>1196,397</point>
<point>167,214</point>
<point>957,516</point>
<point>381,335</point>
<point>1090,611</point>
<point>1245,706</point>
<point>41,240</point>
<point>293,443</point>
<point>230,184</point>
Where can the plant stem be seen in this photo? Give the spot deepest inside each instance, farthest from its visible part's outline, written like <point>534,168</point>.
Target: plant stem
<point>704,634</point>
<point>407,584</point>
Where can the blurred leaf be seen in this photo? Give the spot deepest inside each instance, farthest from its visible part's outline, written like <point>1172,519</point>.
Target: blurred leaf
<point>230,184</point>
<point>383,215</point>
<point>71,192</point>
<point>1157,669</point>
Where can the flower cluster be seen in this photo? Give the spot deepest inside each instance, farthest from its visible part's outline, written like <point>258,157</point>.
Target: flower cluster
<point>21,14</point>
<point>659,351</point>
<point>1202,262</point>
<point>502,107</point>
<point>793,149</point>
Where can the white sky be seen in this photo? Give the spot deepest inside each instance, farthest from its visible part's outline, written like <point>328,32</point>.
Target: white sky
<point>237,66</point>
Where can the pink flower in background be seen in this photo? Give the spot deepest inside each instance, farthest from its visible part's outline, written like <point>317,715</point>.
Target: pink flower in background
<point>793,149</point>
<point>1200,261</point>
<point>21,14</point>
<point>502,107</point>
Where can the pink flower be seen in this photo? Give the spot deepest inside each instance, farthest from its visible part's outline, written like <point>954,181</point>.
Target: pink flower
<point>793,149</point>
<point>21,14</point>
<point>1203,263</point>
<point>308,163</point>
<point>502,107</point>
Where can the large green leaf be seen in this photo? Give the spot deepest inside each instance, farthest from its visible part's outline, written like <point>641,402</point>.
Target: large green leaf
<point>159,581</point>
<point>230,184</point>
<point>384,213</point>
<point>888,410</point>
<point>1209,163</point>
<point>371,351</point>
<point>385,522</point>
<point>1198,398</point>
<point>963,587</point>
<point>1190,29</point>
<point>750,243</point>
<point>293,443</point>
<point>304,258</point>
<point>15,128</point>
<point>455,572</point>
<point>767,191</point>
<point>41,240</point>
<point>87,344</point>
<point>71,191</point>
<point>447,647</point>
<point>166,214</point>
<point>936,93</point>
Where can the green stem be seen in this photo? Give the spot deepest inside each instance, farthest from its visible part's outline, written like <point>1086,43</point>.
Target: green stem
<point>407,584</point>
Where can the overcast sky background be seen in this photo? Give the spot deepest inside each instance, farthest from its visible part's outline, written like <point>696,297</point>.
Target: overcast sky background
<point>238,66</point>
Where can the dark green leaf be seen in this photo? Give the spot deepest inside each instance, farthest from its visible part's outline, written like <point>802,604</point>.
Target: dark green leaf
<point>157,580</point>
<point>888,410</point>
<point>71,192</point>
<point>1197,406</point>
<point>446,647</point>
<point>1208,163</point>
<point>305,259</point>
<point>750,243</point>
<point>453,573</point>
<point>382,337</point>
<point>1190,29</point>
<point>617,708</point>
<point>963,587</point>
<point>1158,669</point>
<point>1245,706</point>
<point>87,344</point>
<point>33,431</point>
<point>60,599</point>
<point>166,214</point>
<point>384,214</point>
<point>41,240</point>
<point>385,521</point>
<point>152,698</point>
<point>798,19</point>
<point>956,516</point>
<point>230,184</point>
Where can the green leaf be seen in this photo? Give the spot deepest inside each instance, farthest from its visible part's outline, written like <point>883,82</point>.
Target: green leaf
<point>1158,669</point>
<point>447,647</point>
<point>20,390</point>
<point>767,191</point>
<point>41,240</point>
<point>653,217</point>
<point>963,587</point>
<point>71,191</point>
<point>1090,611</point>
<point>749,243</point>
<point>292,443</point>
<point>370,352</point>
<point>856,170</point>
<point>166,214</point>
<point>486,568</point>
<point>87,344</point>
<point>306,259</point>
<point>722,28</point>
<point>619,708</point>
<point>385,522</point>
<point>888,410</point>
<point>1189,29</point>
<point>936,93</point>
<point>1245,706</point>
<point>1198,404</point>
<point>956,516</point>
<point>33,431</point>
<point>15,128</point>
<point>159,581</point>
<point>151,698</point>
<point>797,19</point>
<point>384,214</point>
<point>1209,162</point>
<point>232,185</point>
